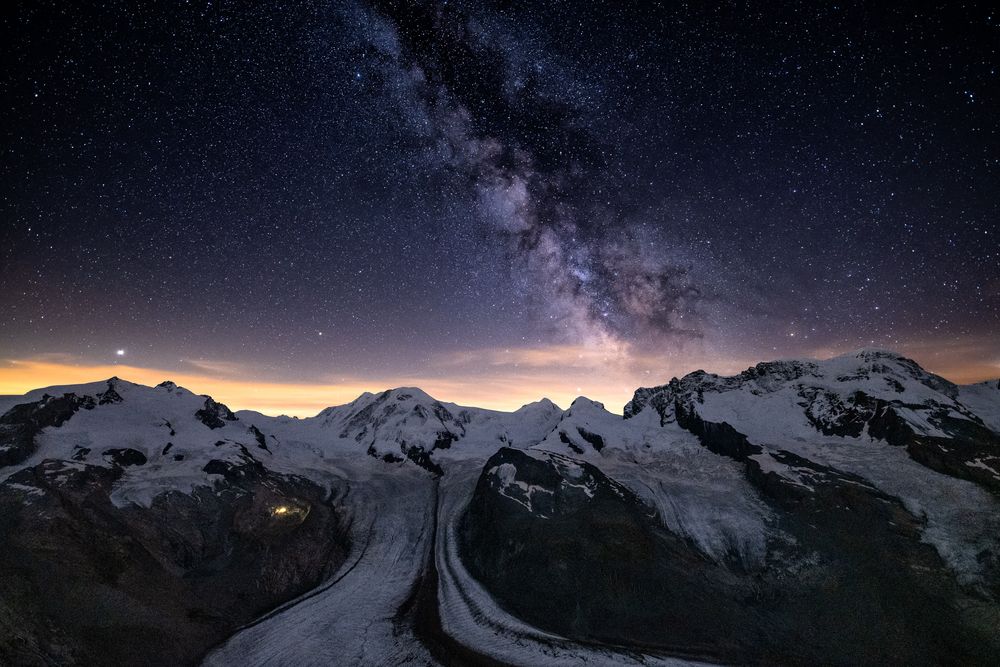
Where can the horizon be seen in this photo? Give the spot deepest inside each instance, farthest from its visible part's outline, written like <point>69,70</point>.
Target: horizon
<point>307,399</point>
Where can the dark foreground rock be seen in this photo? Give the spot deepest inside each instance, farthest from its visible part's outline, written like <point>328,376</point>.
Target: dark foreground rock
<point>567,549</point>
<point>85,582</point>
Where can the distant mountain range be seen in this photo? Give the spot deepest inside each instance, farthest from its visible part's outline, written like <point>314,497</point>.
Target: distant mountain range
<point>844,511</point>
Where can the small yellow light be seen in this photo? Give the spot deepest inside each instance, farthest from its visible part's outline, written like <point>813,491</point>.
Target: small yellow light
<point>280,510</point>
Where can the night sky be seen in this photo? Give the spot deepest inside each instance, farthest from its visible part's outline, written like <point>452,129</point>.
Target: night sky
<point>496,201</point>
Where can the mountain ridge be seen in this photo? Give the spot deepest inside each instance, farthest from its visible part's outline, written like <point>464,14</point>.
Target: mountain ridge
<point>761,482</point>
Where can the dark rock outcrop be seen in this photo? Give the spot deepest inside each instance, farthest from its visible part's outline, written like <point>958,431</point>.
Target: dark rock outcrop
<point>125,457</point>
<point>596,441</point>
<point>214,414</point>
<point>259,437</point>
<point>20,424</point>
<point>110,395</point>
<point>562,546</point>
<point>237,470</point>
<point>85,582</point>
<point>565,439</point>
<point>422,458</point>
<point>720,438</point>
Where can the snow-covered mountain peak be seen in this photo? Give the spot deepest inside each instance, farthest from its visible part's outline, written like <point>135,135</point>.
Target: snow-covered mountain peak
<point>878,373</point>
<point>587,428</point>
<point>871,352</point>
<point>584,404</point>
<point>170,386</point>
<point>410,396</point>
<point>865,395</point>
<point>541,405</point>
<point>893,368</point>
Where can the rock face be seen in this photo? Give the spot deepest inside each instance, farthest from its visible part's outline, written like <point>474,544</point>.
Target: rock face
<point>875,394</point>
<point>214,415</point>
<point>20,424</point>
<point>90,577</point>
<point>568,550</point>
<point>85,582</point>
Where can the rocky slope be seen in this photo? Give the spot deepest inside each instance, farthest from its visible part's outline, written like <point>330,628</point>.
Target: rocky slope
<point>735,519</point>
<point>872,395</point>
<point>569,550</point>
<point>87,577</point>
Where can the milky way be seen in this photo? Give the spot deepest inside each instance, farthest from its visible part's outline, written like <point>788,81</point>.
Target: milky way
<point>497,116</point>
<point>374,190</point>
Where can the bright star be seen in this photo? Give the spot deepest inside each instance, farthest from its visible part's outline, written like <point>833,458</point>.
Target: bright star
<point>120,353</point>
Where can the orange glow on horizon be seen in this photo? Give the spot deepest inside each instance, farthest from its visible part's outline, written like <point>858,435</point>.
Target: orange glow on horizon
<point>498,391</point>
<point>502,379</point>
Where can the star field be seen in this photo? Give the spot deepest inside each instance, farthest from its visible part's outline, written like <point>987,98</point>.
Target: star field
<point>311,190</point>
